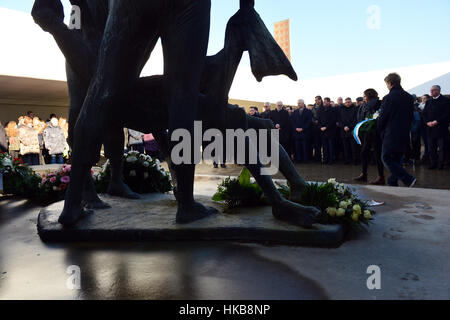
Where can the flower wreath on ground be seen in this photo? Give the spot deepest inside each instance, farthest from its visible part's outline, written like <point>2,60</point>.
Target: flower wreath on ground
<point>142,173</point>
<point>18,179</point>
<point>54,184</point>
<point>339,203</point>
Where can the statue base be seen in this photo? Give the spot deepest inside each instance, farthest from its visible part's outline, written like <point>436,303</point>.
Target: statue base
<point>152,218</point>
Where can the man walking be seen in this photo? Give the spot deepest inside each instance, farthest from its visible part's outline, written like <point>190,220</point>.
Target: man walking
<point>436,114</point>
<point>394,124</point>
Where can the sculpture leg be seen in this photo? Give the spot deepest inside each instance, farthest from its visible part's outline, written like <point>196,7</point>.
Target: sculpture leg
<point>287,168</point>
<point>77,92</point>
<point>114,142</point>
<point>282,209</point>
<point>118,68</point>
<point>185,44</point>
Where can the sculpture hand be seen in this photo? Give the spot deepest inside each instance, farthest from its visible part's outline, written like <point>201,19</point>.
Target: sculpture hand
<point>48,13</point>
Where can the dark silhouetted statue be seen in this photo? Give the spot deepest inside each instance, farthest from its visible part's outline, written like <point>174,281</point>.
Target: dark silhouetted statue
<point>104,61</point>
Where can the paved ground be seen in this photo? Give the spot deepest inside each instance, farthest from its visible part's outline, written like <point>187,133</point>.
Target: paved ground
<point>345,173</point>
<point>408,241</point>
<point>315,172</point>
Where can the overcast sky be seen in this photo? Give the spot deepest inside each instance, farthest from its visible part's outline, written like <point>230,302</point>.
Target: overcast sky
<point>331,37</point>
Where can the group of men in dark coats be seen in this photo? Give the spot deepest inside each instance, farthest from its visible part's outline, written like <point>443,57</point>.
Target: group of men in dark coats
<point>321,131</point>
<point>307,130</point>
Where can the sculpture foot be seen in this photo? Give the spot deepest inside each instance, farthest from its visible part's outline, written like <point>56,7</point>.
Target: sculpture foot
<point>195,211</point>
<point>296,194</point>
<point>120,189</point>
<point>71,215</point>
<point>295,214</point>
<point>96,205</point>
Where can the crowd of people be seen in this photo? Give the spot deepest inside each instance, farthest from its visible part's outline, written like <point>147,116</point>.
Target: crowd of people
<point>39,142</point>
<point>35,141</point>
<point>323,132</point>
<point>410,129</point>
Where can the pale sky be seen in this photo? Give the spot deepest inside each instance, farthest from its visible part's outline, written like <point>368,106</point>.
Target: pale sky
<point>328,39</point>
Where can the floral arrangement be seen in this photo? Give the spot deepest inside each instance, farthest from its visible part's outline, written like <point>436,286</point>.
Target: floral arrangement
<point>367,126</point>
<point>338,203</point>
<point>240,192</point>
<point>18,179</point>
<point>142,173</point>
<point>53,185</point>
<point>341,205</point>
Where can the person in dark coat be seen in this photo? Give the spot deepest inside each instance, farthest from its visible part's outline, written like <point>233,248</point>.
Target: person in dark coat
<point>346,124</point>
<point>280,119</point>
<point>327,124</point>
<point>338,146</point>
<point>370,140</point>
<point>316,136</point>
<point>254,112</point>
<point>301,122</point>
<point>436,116</point>
<point>394,124</point>
<point>266,112</point>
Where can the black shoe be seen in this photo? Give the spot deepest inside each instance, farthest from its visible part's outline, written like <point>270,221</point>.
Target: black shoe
<point>216,166</point>
<point>223,166</point>
<point>361,178</point>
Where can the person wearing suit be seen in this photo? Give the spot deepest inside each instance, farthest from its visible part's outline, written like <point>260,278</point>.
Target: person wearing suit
<point>394,124</point>
<point>267,111</point>
<point>301,123</point>
<point>436,116</point>
<point>347,122</point>
<point>280,119</point>
<point>327,124</point>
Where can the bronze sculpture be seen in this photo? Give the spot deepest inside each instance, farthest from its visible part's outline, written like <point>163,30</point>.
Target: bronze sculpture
<point>145,103</point>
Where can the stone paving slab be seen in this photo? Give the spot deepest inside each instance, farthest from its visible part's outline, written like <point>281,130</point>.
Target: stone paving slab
<point>153,219</point>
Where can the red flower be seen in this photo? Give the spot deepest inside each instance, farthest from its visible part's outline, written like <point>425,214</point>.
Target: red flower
<point>18,160</point>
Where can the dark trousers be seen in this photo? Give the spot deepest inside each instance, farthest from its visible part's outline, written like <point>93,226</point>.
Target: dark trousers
<point>31,159</point>
<point>328,149</point>
<point>370,141</point>
<point>301,150</point>
<point>137,147</point>
<point>392,161</point>
<point>437,151</point>
<point>56,159</point>
<point>415,147</point>
<point>316,144</point>
<point>424,135</point>
<point>349,146</point>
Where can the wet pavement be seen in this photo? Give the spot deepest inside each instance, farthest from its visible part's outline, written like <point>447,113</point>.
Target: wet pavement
<point>408,241</point>
<point>433,179</point>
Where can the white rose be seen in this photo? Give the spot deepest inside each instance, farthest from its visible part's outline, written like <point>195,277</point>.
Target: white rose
<point>376,115</point>
<point>344,205</point>
<point>332,181</point>
<point>146,164</point>
<point>132,159</point>
<point>331,212</point>
<point>340,213</point>
<point>367,214</point>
